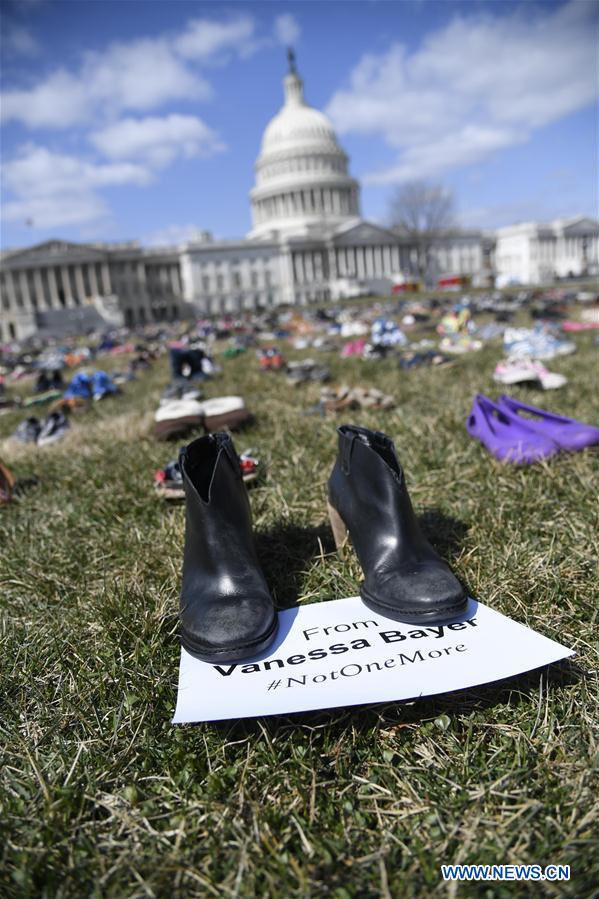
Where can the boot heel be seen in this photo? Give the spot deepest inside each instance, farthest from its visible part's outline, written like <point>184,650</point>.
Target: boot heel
<point>340,532</point>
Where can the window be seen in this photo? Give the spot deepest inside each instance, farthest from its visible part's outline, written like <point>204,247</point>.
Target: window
<point>205,283</point>
<point>236,279</point>
<point>219,282</point>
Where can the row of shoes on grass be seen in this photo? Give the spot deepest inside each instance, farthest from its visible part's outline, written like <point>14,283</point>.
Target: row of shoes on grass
<point>43,433</point>
<point>182,410</point>
<point>168,481</point>
<point>520,433</point>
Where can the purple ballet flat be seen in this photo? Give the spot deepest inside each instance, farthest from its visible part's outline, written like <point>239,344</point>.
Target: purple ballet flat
<point>568,433</point>
<point>505,435</point>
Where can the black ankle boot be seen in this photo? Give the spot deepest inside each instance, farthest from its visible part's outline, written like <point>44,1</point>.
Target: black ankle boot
<point>405,579</point>
<point>226,609</point>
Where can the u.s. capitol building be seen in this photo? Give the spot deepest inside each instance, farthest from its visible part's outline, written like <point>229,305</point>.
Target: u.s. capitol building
<point>308,244</point>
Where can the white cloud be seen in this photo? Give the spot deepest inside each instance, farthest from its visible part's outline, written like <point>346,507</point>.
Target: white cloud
<point>287,29</point>
<point>53,189</point>
<point>140,74</point>
<point>76,208</point>
<point>157,141</point>
<point>481,84</point>
<point>203,39</point>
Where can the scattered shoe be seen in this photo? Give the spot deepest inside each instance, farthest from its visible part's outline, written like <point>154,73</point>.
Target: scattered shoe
<point>459,344</point>
<point>102,386</point>
<point>54,429</point>
<point>178,408</point>
<point>524,370</point>
<point>567,433</point>
<point>306,370</point>
<point>337,399</point>
<point>168,482</point>
<point>535,343</point>
<point>226,413</point>
<point>386,332</point>
<point>40,399</point>
<point>505,435</point>
<point>270,359</point>
<point>405,579</point>
<point>250,466</point>
<point>28,431</point>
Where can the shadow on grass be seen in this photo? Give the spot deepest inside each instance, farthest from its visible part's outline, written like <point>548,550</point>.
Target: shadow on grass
<point>285,552</point>
<point>446,534</point>
<point>514,691</point>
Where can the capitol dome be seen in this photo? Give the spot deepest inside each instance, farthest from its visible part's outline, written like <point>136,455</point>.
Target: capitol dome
<point>302,181</point>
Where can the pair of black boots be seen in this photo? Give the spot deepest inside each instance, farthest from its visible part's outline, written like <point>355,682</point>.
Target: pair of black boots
<point>227,611</point>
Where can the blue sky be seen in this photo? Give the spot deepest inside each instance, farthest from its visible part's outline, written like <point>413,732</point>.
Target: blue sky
<point>142,120</point>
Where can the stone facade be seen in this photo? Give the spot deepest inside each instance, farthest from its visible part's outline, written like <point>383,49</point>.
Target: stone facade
<point>46,287</point>
<point>533,253</point>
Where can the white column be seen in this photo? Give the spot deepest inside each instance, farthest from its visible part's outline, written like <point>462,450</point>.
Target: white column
<point>93,281</point>
<point>286,270</point>
<point>79,283</point>
<point>53,287</point>
<point>173,280</point>
<point>360,261</point>
<point>106,286</point>
<point>66,285</point>
<point>26,299</point>
<point>332,258</point>
<point>303,273</point>
<point>10,289</point>
<point>386,260</point>
<point>38,288</point>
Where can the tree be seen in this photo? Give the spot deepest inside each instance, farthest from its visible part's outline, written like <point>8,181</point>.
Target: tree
<point>423,212</point>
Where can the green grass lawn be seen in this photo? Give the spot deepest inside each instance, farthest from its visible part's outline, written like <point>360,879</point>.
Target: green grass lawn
<point>102,796</point>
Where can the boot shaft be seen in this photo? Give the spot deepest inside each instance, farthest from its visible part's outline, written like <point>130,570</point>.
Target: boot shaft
<point>367,487</point>
<point>218,531</point>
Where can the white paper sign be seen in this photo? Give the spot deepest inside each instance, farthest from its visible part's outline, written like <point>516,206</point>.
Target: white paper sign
<point>339,653</point>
